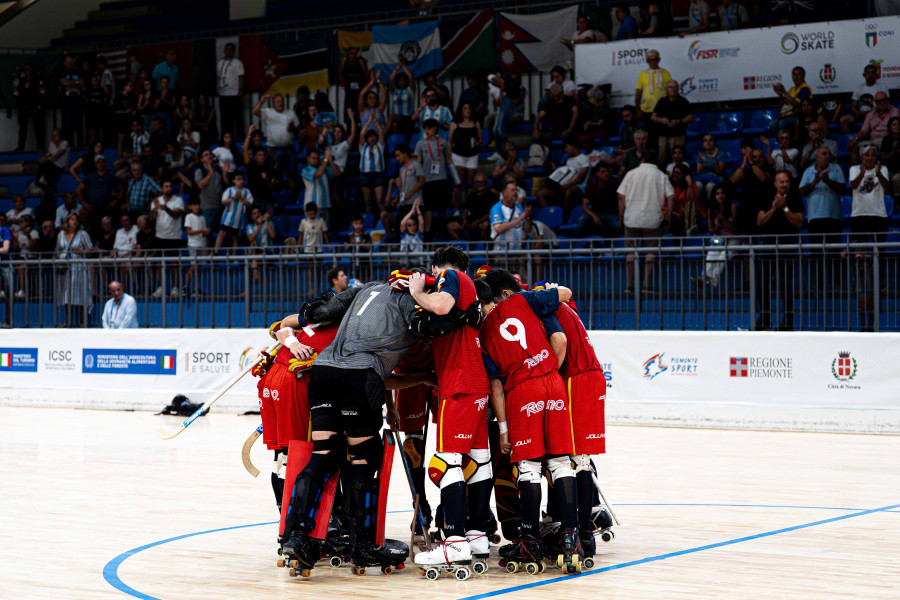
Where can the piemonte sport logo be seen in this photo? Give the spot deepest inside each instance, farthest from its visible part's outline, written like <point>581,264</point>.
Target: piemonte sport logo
<point>790,43</point>
<point>654,366</point>
<point>843,367</point>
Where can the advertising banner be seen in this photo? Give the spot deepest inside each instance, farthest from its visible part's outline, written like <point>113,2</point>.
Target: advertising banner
<point>746,64</point>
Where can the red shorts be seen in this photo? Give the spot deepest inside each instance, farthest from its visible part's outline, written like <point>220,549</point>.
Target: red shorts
<point>283,407</point>
<point>587,397</point>
<point>410,403</point>
<point>462,423</point>
<point>537,413</point>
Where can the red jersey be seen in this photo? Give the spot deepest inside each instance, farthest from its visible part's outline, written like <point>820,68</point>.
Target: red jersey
<point>457,359</point>
<point>514,339</point>
<point>580,355</point>
<point>318,337</point>
<point>417,359</point>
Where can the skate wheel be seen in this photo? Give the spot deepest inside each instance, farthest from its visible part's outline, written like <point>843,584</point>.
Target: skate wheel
<point>559,561</point>
<point>541,567</point>
<point>292,572</point>
<point>305,572</point>
<point>512,567</point>
<point>480,567</point>
<point>336,562</point>
<point>280,563</point>
<point>432,574</point>
<point>532,568</point>
<point>462,574</point>
<point>495,539</point>
<point>294,564</point>
<point>589,563</point>
<point>579,566</point>
<point>607,536</point>
<point>387,570</point>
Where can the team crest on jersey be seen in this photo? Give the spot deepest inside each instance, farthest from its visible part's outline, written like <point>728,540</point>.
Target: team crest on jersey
<point>481,403</point>
<point>532,408</point>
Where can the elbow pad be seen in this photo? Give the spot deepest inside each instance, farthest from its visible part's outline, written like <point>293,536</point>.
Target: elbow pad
<point>310,307</point>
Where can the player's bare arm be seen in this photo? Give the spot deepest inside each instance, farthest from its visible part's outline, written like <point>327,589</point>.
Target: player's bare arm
<point>438,303</point>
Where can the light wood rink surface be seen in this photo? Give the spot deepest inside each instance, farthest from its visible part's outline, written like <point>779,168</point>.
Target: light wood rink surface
<point>80,488</point>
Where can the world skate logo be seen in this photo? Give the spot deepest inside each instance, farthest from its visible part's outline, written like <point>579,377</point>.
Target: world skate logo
<point>532,408</point>
<point>536,359</point>
<point>522,443</point>
<point>481,403</point>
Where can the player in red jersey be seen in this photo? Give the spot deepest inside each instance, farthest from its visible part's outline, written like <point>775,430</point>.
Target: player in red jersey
<point>535,403</point>
<point>463,388</point>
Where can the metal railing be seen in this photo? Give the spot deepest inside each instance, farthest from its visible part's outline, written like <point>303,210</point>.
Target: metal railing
<point>679,284</point>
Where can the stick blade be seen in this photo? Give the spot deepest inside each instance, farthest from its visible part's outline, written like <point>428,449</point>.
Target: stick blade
<point>168,435</point>
<point>245,454</point>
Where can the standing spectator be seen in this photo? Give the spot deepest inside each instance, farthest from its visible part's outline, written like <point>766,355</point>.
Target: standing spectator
<point>698,18</point>
<point>823,183</point>
<point>340,152</point>
<point>230,87</point>
<point>317,176</point>
<point>99,193</point>
<point>371,105</point>
<point>46,209</point>
<point>409,181</point>
<point>313,230</point>
<point>358,239</point>
<point>869,182</point>
<point>107,79</point>
<point>558,76</point>
<point>137,140</point>
<point>512,107</point>
<point>476,96</point>
<point>875,125</point>
<point>629,127</point>
<point>197,241</point>
<point>167,68</point>
<point>671,116</point>
<point>280,127</point>
<point>6,251</point>
<point>166,100</point>
<point>302,102</point>
<point>259,231</point>
<point>71,101</point>
<point>507,217</point>
<point>402,99</point>
<point>564,187</point>
<point>120,311</point>
<point>710,165</point>
<point>434,154</point>
<point>146,238</point>
<point>235,199</point>
<point>508,163</point>
<point>784,158</point>
<point>643,193</point>
<point>106,237</point>
<point>159,137</point>
<point>600,205</point>
<point>782,217</point>
<point>465,139</point>
<point>146,106</point>
<point>790,100</point>
<point>140,191</point>
<point>431,109</point>
<point>412,240</point>
<point>584,34</point>
<point>124,110</point>
<point>261,178</point>
<point>68,207</point>
<point>55,162</point>
<point>183,110</point>
<point>686,212</point>
<point>87,163</point>
<point>651,85</point>
<point>628,27</point>
<point>133,67</point>
<point>354,74</point>
<point>74,285</point>
<point>649,25</point>
<point>26,242</point>
<point>476,213</point>
<point>595,117</point>
<point>227,155</point>
<point>732,15</point>
<point>372,167</point>
<point>167,210</point>
<point>30,95</point>
<point>890,154</point>
<point>635,156</point>
<point>97,108</point>
<point>205,120</point>
<point>126,237</point>
<point>863,99</point>
<point>557,119</point>
<point>188,138</point>
<point>723,229</point>
<point>806,117</point>
<point>47,239</point>
<point>755,176</point>
<point>817,139</point>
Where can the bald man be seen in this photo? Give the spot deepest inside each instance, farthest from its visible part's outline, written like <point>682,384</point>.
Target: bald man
<point>120,311</point>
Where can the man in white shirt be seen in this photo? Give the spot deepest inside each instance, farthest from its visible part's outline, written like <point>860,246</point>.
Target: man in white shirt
<point>280,127</point>
<point>126,237</point>
<point>120,311</point>
<point>863,99</point>
<point>168,210</point>
<point>565,186</point>
<point>230,86</point>
<point>642,194</point>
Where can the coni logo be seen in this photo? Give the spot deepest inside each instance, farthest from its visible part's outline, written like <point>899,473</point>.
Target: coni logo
<point>790,43</point>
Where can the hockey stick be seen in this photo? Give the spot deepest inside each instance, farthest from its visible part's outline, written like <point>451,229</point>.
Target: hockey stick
<point>245,451</point>
<point>419,516</point>
<point>602,497</point>
<point>167,435</point>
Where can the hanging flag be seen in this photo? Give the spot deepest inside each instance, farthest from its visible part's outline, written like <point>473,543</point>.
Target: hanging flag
<point>419,45</point>
<point>117,61</point>
<point>355,39</point>
<point>472,47</point>
<point>305,62</point>
<point>532,42</point>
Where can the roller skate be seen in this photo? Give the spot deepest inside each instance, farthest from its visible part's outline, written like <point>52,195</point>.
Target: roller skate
<point>588,548</point>
<point>550,537</point>
<point>523,554</point>
<point>602,523</point>
<point>481,550</point>
<point>337,541</point>
<point>491,531</point>
<point>453,556</point>
<point>389,557</point>
<point>299,553</point>
<point>569,560</point>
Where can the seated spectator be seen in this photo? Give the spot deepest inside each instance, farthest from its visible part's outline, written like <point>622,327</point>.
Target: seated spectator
<point>635,155</point>
<point>817,139</point>
<point>643,193</point>
<point>476,96</point>
<point>47,237</point>
<point>18,211</point>
<point>539,235</point>
<point>521,194</point>
<point>698,18</point>
<point>159,135</point>
<point>313,230</point>
<point>46,209</point>
<point>508,163</point>
<point>595,118</point>
<point>869,181</point>
<point>630,125</point>
<point>806,117</point>
<point>227,154</point>
<point>69,206</point>
<point>754,175</point>
<point>723,231</point>
<point>863,100</point>
<point>409,182</point>
<point>512,107</point>
<point>687,211</point>
<point>875,125</point>
<point>558,117</point>
<point>732,15</point>
<point>628,27</point>
<point>261,178</point>
<point>106,236</point>
<point>558,76</point>
<point>431,109</point>
<point>784,158</point>
<point>183,110</point>
<point>823,183</point>
<point>671,116</point>
<point>649,25</point>
<point>507,217</point>
<point>476,213</point>
<point>188,139</point>
<point>358,239</point>
<point>790,100</point>
<point>87,163</point>
<point>126,238</point>
<point>177,164</point>
<point>317,176</point>
<point>651,85</point>
<point>372,166</point>
<point>434,154</point>
<point>710,166</point>
<point>890,154</point>
<point>235,200</point>
<point>259,232</point>
<point>677,158</point>
<point>600,204</point>
<point>402,84</point>
<point>204,120</point>
<point>565,186</point>
<point>146,238</point>
<point>54,162</point>
<point>371,106</point>
<point>465,140</point>
<point>120,311</point>
<point>584,34</point>
<point>280,127</point>
<point>412,240</point>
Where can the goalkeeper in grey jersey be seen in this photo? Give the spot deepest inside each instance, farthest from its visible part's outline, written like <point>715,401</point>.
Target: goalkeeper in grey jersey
<point>346,398</point>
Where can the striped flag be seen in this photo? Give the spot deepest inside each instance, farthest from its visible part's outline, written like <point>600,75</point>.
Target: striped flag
<point>531,42</point>
<point>471,47</point>
<point>167,362</point>
<point>117,61</point>
<point>6,359</point>
<point>419,44</point>
<point>292,64</point>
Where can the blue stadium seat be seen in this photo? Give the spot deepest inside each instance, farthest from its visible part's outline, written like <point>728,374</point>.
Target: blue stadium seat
<point>889,205</point>
<point>843,144</point>
<point>571,227</point>
<point>391,168</point>
<point>698,126</point>
<point>846,207</point>
<point>726,124</point>
<point>550,216</point>
<point>393,141</point>
<point>414,140</point>
<point>759,122</point>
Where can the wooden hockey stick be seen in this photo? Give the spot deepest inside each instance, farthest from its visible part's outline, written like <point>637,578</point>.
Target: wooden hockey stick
<point>167,435</point>
<point>418,515</point>
<point>245,451</point>
<point>602,497</point>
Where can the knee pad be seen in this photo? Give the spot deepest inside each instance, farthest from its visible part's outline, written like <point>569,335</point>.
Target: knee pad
<point>529,471</point>
<point>581,462</point>
<point>560,466</point>
<point>477,465</point>
<point>369,451</point>
<point>444,469</point>
<point>414,449</point>
<point>279,465</point>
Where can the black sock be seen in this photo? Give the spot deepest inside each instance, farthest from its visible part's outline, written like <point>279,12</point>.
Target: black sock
<point>564,490</point>
<point>530,502</point>
<point>478,496</point>
<point>453,501</point>
<point>586,492</point>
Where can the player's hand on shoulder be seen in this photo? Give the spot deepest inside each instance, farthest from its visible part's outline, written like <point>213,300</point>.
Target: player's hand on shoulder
<point>416,283</point>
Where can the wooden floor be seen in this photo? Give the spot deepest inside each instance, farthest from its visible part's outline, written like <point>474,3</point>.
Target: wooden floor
<point>90,498</point>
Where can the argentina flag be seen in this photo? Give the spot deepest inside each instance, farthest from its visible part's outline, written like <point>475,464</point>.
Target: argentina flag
<point>419,45</point>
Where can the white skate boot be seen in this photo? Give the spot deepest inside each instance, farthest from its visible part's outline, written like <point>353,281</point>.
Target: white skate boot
<point>481,550</point>
<point>453,556</point>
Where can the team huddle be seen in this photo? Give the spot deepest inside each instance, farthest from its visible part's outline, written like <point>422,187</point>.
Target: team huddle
<point>516,391</point>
